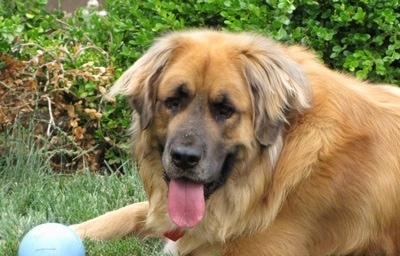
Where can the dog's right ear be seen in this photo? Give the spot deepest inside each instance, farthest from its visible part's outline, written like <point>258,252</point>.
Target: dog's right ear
<point>139,83</point>
<point>278,85</point>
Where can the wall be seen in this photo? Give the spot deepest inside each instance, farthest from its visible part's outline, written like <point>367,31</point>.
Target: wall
<point>68,5</point>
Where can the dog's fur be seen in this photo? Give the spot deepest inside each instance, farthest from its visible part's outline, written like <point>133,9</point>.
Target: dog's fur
<point>297,159</point>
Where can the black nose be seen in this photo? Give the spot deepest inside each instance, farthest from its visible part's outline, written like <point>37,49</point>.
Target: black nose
<point>185,157</point>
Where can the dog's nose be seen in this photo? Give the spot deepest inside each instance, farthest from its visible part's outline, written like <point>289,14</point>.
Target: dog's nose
<point>185,157</point>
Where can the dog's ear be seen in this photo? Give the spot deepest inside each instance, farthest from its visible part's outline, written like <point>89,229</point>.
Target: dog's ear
<point>139,83</point>
<point>278,86</point>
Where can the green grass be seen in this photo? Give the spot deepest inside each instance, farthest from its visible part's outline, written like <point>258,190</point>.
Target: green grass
<point>31,194</point>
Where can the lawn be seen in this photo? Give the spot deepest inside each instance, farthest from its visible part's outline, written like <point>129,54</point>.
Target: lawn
<point>31,194</point>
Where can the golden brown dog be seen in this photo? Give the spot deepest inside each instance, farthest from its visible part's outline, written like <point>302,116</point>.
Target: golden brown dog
<point>249,147</point>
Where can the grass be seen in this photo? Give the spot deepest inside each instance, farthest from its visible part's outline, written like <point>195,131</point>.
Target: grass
<point>31,194</point>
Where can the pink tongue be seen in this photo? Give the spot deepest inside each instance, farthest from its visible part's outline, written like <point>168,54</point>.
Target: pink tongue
<point>186,203</point>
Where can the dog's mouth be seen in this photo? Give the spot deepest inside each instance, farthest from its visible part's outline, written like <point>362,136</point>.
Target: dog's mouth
<point>212,186</point>
<point>186,198</point>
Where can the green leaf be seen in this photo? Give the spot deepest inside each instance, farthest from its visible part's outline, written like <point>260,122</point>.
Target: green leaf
<point>227,3</point>
<point>29,15</point>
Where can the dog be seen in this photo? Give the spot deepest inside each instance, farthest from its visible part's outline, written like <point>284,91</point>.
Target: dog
<point>250,147</point>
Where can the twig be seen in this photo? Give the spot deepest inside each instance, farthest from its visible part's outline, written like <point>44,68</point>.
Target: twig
<point>40,47</point>
<point>104,53</point>
<point>49,51</point>
<point>51,121</point>
<point>69,28</point>
<point>8,87</point>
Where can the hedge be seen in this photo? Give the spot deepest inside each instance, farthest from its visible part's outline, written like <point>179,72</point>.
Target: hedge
<point>55,67</point>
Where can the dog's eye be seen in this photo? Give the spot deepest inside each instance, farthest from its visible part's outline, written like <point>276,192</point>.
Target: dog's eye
<point>223,111</point>
<point>172,103</point>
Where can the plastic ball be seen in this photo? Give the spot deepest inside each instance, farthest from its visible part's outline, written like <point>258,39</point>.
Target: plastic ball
<point>51,239</point>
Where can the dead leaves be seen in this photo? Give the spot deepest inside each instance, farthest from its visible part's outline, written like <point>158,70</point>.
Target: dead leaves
<point>93,114</point>
<point>47,88</point>
<point>16,90</point>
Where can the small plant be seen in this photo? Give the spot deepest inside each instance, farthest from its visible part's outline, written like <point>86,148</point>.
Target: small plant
<point>56,75</point>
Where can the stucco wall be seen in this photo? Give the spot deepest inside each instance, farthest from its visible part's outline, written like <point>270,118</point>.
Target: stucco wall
<point>68,5</point>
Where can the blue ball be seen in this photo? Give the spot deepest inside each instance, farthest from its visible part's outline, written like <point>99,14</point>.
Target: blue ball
<point>51,239</point>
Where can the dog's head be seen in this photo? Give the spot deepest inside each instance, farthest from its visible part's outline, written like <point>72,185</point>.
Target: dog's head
<point>209,97</point>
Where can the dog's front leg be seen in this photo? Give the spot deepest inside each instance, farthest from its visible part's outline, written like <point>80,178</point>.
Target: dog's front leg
<point>129,220</point>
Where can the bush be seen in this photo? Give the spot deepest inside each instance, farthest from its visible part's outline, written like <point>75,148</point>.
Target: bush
<point>356,36</point>
<point>60,65</point>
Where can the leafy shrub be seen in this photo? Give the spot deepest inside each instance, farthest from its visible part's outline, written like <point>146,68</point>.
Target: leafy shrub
<point>69,60</point>
<point>53,72</point>
<point>356,36</point>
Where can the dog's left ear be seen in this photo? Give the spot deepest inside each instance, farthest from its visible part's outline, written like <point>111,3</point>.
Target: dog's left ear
<point>139,83</point>
<point>278,86</point>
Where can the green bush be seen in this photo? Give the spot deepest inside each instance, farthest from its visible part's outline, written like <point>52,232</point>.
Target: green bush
<point>75,57</point>
<point>357,36</point>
